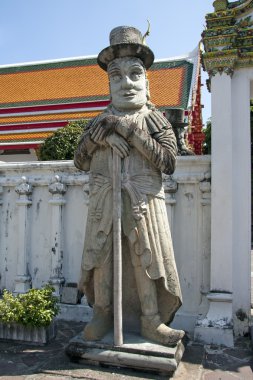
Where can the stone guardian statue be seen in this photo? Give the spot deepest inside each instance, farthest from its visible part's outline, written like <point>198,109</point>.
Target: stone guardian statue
<point>132,127</point>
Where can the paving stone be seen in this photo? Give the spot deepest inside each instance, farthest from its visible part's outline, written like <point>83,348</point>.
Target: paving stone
<point>220,376</point>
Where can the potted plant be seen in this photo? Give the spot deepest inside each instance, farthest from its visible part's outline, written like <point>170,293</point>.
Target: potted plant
<point>29,317</point>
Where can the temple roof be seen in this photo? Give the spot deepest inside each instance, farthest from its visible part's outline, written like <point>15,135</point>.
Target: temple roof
<point>39,97</point>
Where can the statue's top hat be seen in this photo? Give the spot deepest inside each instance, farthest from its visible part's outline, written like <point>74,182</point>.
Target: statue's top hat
<point>126,41</point>
<point>176,117</point>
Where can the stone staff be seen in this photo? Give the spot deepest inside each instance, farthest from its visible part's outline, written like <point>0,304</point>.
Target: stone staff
<point>117,250</point>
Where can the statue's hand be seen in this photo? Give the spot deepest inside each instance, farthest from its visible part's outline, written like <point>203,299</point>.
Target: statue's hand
<point>118,144</point>
<point>105,128</point>
<point>125,128</point>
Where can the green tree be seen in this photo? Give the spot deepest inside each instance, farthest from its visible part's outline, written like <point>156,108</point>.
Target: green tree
<point>62,144</point>
<point>208,142</point>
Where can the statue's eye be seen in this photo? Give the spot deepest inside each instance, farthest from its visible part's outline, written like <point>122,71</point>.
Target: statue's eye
<point>115,77</point>
<point>136,75</point>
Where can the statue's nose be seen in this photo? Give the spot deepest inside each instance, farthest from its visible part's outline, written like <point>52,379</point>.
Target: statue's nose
<point>126,82</point>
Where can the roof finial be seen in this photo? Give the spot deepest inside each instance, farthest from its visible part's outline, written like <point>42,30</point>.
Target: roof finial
<point>220,5</point>
<point>146,34</point>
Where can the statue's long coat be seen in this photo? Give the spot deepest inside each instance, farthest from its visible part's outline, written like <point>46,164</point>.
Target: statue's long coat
<point>144,218</point>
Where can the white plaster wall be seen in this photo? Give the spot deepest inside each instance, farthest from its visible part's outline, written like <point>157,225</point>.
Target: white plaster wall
<point>188,204</point>
<point>241,146</point>
<point>231,194</point>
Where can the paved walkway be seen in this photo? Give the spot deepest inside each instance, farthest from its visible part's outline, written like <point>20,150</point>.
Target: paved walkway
<point>22,361</point>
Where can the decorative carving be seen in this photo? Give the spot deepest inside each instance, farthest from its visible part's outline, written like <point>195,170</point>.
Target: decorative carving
<point>228,38</point>
<point>57,187</point>
<point>220,5</point>
<point>24,188</point>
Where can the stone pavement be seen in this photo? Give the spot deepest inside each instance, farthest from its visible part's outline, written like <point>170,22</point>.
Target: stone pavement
<point>23,361</point>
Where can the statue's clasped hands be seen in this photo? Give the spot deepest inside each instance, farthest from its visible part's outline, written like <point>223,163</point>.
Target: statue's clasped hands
<point>112,130</point>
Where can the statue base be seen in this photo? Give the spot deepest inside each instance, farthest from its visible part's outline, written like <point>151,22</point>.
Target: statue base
<point>136,353</point>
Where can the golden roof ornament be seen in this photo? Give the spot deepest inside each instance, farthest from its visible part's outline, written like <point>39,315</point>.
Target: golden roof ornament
<point>220,5</point>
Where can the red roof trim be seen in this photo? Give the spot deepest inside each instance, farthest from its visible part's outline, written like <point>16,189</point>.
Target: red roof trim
<point>55,107</point>
<point>19,146</point>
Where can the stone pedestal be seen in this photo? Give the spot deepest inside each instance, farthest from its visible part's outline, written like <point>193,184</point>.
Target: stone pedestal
<point>135,353</point>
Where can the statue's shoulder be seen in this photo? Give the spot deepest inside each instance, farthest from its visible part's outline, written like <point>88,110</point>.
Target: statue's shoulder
<point>156,121</point>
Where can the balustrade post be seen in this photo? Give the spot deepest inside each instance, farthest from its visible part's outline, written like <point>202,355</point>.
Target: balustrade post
<point>57,189</point>
<point>205,188</point>
<point>23,279</point>
<point>170,189</point>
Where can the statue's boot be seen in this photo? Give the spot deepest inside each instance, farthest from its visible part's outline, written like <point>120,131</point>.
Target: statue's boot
<point>102,320</point>
<point>101,323</point>
<point>151,325</point>
<point>152,328</point>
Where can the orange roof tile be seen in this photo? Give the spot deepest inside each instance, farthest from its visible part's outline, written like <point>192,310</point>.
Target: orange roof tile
<point>29,90</point>
<point>166,86</point>
<point>69,82</point>
<point>25,136</point>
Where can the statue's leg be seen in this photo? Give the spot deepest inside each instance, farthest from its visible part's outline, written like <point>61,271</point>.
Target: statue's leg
<point>151,326</point>
<point>102,320</point>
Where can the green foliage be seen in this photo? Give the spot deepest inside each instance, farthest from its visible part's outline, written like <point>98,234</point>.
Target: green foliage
<point>37,307</point>
<point>208,142</point>
<point>62,144</point>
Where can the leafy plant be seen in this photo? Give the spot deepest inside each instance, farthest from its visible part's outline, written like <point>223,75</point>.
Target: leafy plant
<point>37,307</point>
<point>62,144</point>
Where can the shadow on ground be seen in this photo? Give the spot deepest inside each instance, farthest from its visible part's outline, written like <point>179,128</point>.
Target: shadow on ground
<point>23,361</point>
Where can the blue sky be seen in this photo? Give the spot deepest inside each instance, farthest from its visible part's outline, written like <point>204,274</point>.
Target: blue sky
<point>37,30</point>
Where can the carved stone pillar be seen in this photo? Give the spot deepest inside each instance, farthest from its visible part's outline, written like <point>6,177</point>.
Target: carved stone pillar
<point>170,189</point>
<point>23,279</point>
<point>57,189</point>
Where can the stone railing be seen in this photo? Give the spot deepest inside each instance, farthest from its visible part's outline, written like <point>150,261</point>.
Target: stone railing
<point>43,217</point>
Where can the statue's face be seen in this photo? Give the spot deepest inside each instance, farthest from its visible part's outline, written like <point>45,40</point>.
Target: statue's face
<point>128,84</point>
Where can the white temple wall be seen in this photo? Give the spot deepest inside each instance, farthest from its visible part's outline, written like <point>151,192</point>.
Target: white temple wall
<point>50,218</point>
<point>241,95</point>
<point>229,309</point>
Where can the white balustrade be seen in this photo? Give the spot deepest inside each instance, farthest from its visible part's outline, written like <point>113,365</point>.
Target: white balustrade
<point>48,232</point>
